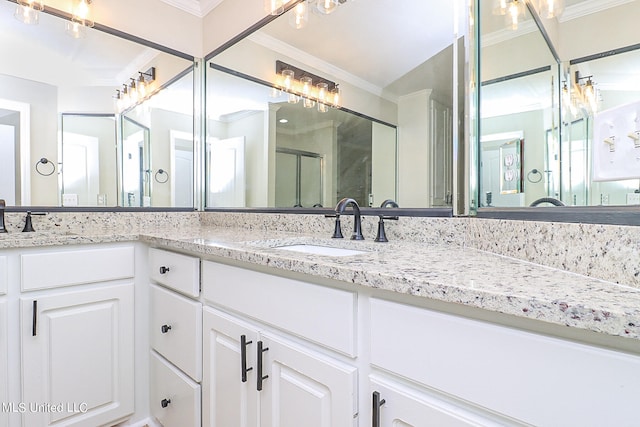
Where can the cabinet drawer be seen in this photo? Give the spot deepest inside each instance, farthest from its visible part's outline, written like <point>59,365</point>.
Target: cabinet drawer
<point>4,274</point>
<point>533,378</point>
<point>318,313</point>
<point>176,271</point>
<point>175,398</point>
<point>75,266</point>
<point>176,330</point>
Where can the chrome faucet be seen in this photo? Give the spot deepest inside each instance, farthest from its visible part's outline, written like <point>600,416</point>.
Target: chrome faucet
<point>382,237</point>
<point>3,229</point>
<point>357,221</point>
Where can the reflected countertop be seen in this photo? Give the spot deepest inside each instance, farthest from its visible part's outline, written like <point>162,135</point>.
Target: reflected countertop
<point>448,273</point>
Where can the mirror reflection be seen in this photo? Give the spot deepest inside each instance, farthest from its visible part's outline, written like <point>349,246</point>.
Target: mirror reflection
<point>389,135</point>
<point>60,96</point>
<point>585,121</point>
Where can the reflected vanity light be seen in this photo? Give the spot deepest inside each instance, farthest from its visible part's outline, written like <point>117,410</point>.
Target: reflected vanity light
<point>513,10</point>
<point>549,8</point>
<point>311,89</point>
<point>299,16</point>
<point>275,7</point>
<point>28,11</point>
<point>581,97</point>
<point>80,19</point>
<point>136,92</point>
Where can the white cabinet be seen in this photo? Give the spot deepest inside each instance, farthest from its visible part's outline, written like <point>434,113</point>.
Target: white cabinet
<point>175,337</point>
<point>524,377</point>
<point>176,330</point>
<point>174,397</point>
<point>77,356</point>
<point>252,374</point>
<point>4,373</point>
<point>176,271</point>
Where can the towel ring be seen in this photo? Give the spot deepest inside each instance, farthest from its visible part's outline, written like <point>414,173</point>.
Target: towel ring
<point>160,173</point>
<point>45,161</point>
<point>534,173</point>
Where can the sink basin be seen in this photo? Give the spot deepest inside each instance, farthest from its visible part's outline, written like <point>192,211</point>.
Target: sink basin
<point>320,250</point>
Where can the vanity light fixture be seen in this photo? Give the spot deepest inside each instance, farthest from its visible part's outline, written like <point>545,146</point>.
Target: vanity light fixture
<point>28,11</point>
<point>581,96</point>
<point>80,21</point>
<point>311,89</point>
<point>138,90</point>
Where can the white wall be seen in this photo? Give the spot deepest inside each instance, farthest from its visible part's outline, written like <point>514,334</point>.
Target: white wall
<point>43,99</point>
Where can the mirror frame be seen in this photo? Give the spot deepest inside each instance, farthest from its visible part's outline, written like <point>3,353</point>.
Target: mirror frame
<point>365,210</point>
<point>611,215</point>
<point>130,37</point>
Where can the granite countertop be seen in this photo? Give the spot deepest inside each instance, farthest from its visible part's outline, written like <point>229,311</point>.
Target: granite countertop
<point>448,273</point>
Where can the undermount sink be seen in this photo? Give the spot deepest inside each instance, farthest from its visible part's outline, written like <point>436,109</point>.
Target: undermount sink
<point>320,250</point>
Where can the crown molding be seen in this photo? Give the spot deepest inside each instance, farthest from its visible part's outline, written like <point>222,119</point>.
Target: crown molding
<point>588,7</point>
<point>496,37</point>
<point>199,8</point>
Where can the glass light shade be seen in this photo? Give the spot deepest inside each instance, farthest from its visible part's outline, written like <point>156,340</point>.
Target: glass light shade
<point>550,8</point>
<point>274,7</point>
<point>293,98</point>
<point>327,6</point>
<point>500,7</point>
<point>27,14</point>
<point>308,103</point>
<point>299,16</point>
<point>322,108</point>
<point>288,78</point>
<point>81,13</point>
<point>335,94</point>
<point>323,92</point>
<point>515,12</point>
<point>142,86</point>
<point>307,84</point>
<point>75,30</point>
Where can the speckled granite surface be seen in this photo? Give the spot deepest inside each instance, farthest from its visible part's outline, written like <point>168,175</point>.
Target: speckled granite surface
<point>446,259</point>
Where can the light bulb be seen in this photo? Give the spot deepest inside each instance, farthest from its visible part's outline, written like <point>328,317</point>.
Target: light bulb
<point>336,97</point>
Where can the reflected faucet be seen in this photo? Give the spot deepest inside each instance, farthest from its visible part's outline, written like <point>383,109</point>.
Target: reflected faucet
<point>382,237</point>
<point>357,222</point>
<point>3,229</point>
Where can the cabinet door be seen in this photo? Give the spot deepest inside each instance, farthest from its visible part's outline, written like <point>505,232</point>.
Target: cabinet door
<point>227,400</point>
<point>77,357</point>
<point>305,388</point>
<point>4,377</point>
<point>400,406</point>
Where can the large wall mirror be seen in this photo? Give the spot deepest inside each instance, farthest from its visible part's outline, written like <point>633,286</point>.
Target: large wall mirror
<point>61,136</point>
<point>391,135</point>
<point>569,96</point>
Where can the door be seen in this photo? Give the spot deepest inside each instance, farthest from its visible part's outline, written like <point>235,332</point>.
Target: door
<point>77,357</point>
<point>304,388</point>
<point>182,168</point>
<point>81,167</point>
<point>229,398</point>
<point>226,172</point>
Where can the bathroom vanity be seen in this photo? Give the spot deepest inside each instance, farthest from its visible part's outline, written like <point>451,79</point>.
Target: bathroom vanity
<point>216,326</point>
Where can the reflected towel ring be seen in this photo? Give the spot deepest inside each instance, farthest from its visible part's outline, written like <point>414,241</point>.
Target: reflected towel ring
<point>160,173</point>
<point>534,173</point>
<point>45,161</point>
